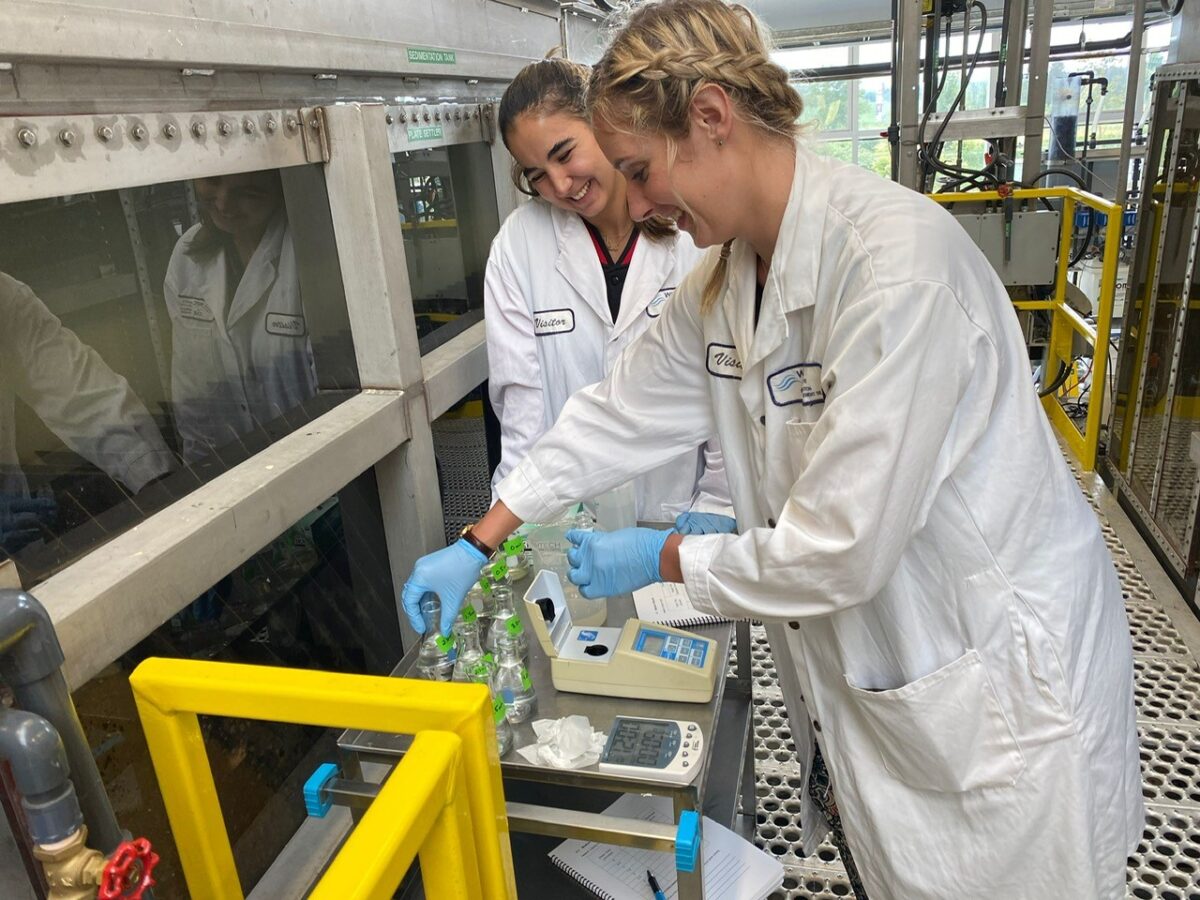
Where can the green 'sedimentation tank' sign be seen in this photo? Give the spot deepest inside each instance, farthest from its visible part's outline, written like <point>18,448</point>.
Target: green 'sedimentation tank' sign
<point>429,55</point>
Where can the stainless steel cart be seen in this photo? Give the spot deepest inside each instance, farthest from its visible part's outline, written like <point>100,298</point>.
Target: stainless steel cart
<point>546,805</point>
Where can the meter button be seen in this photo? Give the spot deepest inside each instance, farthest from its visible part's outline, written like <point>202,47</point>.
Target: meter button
<point>691,728</point>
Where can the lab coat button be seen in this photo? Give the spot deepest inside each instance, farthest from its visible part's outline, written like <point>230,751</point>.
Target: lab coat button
<point>770,523</point>
<point>762,420</point>
<point>795,626</point>
<point>816,726</point>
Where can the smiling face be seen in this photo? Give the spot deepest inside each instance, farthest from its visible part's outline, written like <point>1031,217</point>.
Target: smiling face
<point>240,205</point>
<point>692,188</point>
<point>562,161</point>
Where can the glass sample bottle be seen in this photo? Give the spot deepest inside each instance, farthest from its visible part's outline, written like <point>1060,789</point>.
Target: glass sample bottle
<point>506,622</point>
<point>516,558</point>
<point>504,732</point>
<point>469,651</point>
<point>435,659</point>
<point>511,681</point>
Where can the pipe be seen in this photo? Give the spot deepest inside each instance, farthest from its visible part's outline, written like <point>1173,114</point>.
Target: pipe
<point>30,663</point>
<point>867,70</point>
<point>42,776</point>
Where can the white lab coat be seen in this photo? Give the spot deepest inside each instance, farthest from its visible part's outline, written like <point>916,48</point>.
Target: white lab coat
<point>86,404</point>
<point>942,608</point>
<point>241,361</point>
<point>550,332</point>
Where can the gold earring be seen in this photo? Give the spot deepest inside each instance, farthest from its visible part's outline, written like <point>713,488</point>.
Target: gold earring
<point>720,142</point>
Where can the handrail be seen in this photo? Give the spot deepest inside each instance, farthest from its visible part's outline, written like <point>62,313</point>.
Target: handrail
<point>171,694</point>
<point>1065,321</point>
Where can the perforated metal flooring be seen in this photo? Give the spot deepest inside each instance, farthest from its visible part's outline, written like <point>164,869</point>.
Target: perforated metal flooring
<point>1166,863</point>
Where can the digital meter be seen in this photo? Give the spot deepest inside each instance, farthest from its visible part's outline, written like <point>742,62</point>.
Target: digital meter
<point>639,660</point>
<point>660,749</point>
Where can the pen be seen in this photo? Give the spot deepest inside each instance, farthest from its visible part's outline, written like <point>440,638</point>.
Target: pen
<point>658,894</point>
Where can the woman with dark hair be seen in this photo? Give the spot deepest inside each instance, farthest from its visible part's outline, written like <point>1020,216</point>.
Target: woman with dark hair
<point>572,280</point>
<point>241,354</point>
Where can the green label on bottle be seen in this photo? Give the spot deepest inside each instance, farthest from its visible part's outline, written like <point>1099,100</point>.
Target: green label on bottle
<point>480,670</point>
<point>526,684</point>
<point>444,643</point>
<point>498,710</point>
<point>514,626</point>
<point>514,545</point>
<point>485,584</point>
<point>499,570</point>
<point>489,659</point>
<point>469,615</point>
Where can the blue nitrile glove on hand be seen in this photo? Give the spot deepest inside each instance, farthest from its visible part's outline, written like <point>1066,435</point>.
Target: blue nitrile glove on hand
<point>704,523</point>
<point>449,573</point>
<point>22,519</point>
<point>604,563</point>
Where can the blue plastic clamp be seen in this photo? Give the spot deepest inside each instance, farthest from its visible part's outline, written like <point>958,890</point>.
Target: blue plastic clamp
<point>687,841</point>
<point>315,786</point>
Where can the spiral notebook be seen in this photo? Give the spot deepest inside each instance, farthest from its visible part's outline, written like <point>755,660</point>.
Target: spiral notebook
<point>734,869</point>
<point>667,603</point>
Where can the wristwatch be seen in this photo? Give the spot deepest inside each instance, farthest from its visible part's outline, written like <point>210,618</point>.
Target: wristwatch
<point>468,535</point>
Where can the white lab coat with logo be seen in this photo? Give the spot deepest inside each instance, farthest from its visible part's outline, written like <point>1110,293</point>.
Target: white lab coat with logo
<point>550,332</point>
<point>957,638</point>
<point>242,360</point>
<point>86,404</point>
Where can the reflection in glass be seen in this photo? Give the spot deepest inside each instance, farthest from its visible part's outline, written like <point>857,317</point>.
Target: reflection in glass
<point>318,597</point>
<point>195,321</point>
<point>241,353</point>
<point>448,215</point>
<point>87,406</point>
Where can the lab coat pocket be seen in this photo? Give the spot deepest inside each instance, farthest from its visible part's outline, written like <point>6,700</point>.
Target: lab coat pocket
<point>945,732</point>
<point>798,434</point>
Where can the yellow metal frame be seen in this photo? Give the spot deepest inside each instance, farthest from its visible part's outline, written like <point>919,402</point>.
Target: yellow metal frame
<point>1065,321</point>
<point>444,801</point>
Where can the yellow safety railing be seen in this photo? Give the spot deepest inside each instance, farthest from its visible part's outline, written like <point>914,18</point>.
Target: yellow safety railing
<point>1065,321</point>
<point>443,802</point>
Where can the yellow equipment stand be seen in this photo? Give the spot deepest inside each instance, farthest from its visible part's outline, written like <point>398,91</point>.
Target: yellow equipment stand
<point>1065,320</point>
<point>444,801</point>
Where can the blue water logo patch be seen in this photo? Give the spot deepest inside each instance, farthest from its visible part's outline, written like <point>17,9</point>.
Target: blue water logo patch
<point>655,307</point>
<point>588,635</point>
<point>799,383</point>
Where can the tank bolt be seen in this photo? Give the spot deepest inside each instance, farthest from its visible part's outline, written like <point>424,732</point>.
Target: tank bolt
<point>138,132</point>
<point>170,132</point>
<point>198,130</point>
<point>105,133</point>
<point>27,137</point>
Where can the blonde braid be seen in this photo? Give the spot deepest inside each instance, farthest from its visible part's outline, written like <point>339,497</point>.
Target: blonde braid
<point>670,49</point>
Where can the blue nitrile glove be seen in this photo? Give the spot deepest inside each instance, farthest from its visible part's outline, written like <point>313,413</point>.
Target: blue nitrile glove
<point>604,563</point>
<point>449,573</point>
<point>704,523</point>
<point>22,519</point>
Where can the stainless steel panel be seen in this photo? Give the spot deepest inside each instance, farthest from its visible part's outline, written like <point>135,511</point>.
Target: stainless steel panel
<point>1033,252</point>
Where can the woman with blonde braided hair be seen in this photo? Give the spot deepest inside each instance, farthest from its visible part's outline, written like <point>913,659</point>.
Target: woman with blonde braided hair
<point>944,615</point>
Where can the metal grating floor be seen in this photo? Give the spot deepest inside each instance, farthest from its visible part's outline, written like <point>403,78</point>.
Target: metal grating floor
<point>1165,865</point>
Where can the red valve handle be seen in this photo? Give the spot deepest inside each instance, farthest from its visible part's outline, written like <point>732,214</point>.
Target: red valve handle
<point>128,872</point>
